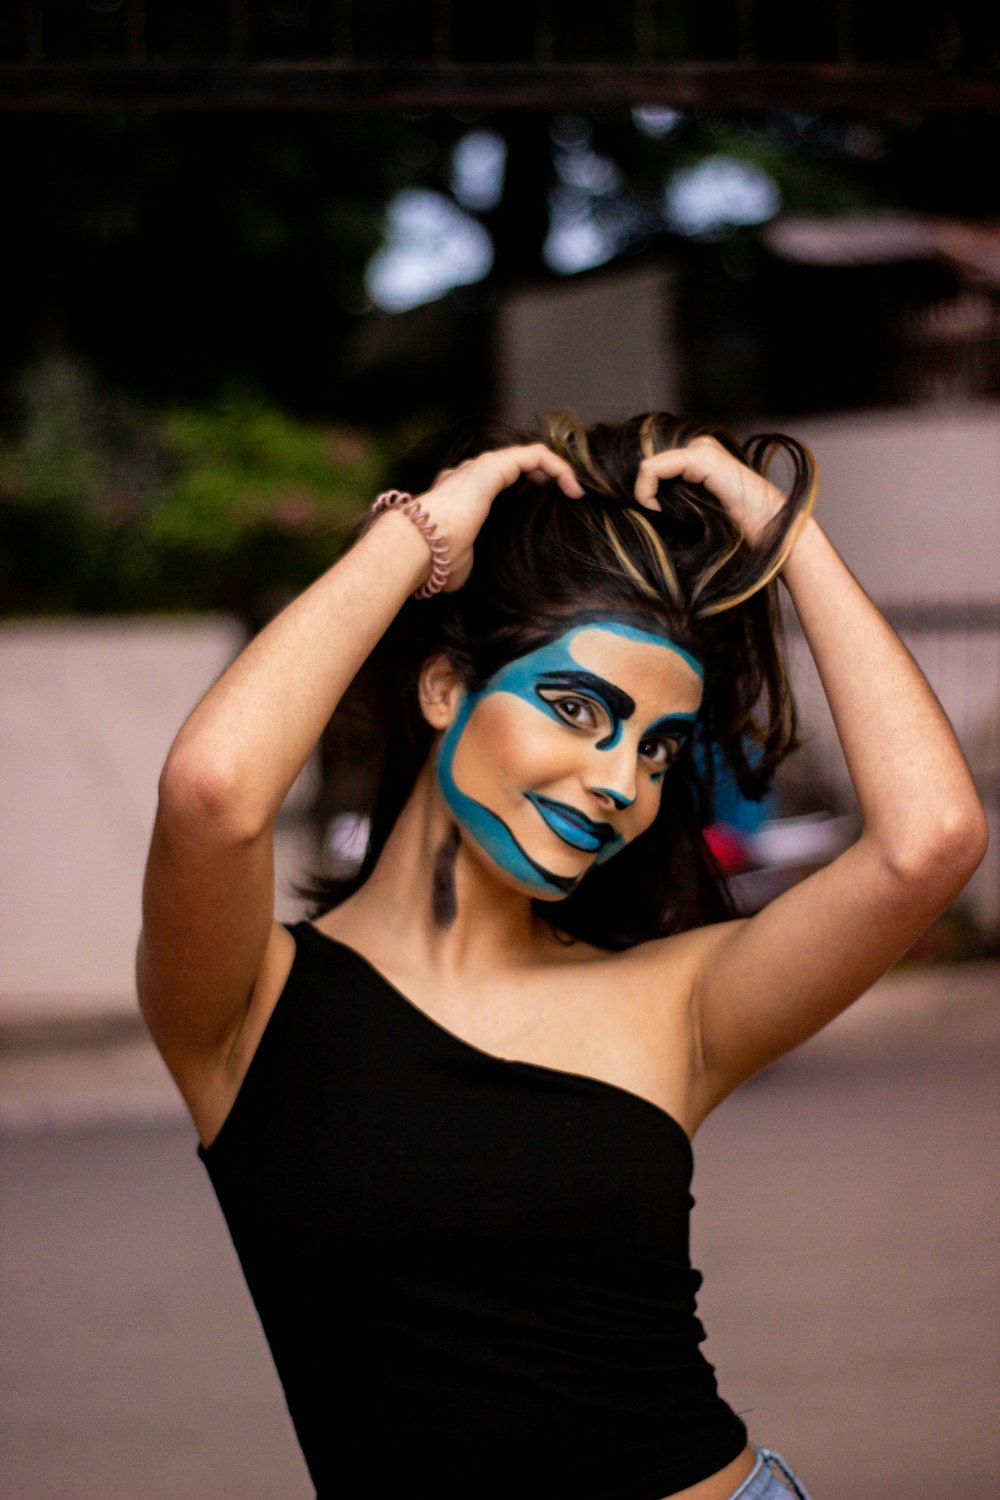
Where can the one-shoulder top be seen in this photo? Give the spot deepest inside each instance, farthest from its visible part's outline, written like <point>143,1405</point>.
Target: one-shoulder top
<point>473,1273</point>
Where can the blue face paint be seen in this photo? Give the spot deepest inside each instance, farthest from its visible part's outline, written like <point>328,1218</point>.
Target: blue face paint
<point>551,668</point>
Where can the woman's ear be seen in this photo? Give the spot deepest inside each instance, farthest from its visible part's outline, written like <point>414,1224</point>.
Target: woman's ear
<point>441,690</point>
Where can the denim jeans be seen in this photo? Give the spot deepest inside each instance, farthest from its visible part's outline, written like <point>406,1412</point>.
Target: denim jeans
<point>769,1479</point>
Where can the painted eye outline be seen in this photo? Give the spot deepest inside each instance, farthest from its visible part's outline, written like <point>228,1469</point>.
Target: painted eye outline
<point>594,704</point>
<point>672,746</point>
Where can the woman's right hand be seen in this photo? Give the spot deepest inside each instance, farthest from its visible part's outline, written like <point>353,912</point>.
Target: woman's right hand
<point>459,500</point>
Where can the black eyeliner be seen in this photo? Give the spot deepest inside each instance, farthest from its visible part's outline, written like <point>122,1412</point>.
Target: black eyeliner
<point>618,703</point>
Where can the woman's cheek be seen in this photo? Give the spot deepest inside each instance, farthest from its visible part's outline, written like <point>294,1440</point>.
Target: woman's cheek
<point>505,748</point>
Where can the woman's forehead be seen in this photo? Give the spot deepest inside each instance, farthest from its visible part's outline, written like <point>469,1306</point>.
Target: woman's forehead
<point>618,642</point>
<point>645,662</point>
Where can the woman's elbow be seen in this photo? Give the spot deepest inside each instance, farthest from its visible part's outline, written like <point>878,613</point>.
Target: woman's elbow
<point>203,795</point>
<point>945,852</point>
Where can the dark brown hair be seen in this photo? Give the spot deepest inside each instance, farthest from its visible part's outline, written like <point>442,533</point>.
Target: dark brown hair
<point>540,559</point>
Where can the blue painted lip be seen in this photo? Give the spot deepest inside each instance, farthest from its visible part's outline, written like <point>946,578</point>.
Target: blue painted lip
<point>571,825</point>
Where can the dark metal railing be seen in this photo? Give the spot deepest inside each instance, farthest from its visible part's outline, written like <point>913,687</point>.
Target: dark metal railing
<point>539,53</point>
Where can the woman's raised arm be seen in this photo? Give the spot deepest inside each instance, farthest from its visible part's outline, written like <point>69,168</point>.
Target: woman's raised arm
<point>209,888</point>
<point>767,983</point>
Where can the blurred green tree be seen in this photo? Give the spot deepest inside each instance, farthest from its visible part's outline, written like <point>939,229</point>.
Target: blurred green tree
<point>109,506</point>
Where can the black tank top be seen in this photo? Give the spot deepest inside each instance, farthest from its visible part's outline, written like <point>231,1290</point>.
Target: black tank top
<point>473,1273</point>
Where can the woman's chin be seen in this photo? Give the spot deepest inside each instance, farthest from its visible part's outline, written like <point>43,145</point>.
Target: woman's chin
<point>558,877</point>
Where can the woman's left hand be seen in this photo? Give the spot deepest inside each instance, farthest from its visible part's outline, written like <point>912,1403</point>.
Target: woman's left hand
<point>750,499</point>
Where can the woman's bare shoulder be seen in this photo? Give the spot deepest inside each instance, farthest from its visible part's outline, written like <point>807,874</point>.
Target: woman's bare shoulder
<point>663,955</point>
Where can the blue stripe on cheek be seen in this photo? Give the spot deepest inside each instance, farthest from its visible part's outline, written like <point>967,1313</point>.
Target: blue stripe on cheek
<point>488,830</point>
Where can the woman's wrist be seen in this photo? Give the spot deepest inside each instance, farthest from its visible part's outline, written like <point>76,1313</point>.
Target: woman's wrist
<point>808,539</point>
<point>757,513</point>
<point>397,545</point>
<point>440,551</point>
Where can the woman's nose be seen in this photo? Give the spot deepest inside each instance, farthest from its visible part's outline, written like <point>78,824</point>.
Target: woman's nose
<point>619,799</point>
<point>613,777</point>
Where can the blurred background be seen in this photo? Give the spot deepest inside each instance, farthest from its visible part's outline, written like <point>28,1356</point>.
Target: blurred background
<point>254,250</point>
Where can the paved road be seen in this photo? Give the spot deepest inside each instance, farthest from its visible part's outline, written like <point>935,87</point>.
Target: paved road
<point>845,1224</point>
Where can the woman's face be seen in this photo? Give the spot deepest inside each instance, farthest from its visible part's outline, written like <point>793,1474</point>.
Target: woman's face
<point>558,762</point>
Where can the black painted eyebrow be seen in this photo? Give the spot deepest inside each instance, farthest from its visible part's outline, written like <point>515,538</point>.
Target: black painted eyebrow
<point>677,727</point>
<point>621,705</point>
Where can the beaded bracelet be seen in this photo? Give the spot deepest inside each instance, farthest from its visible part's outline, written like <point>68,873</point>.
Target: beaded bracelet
<point>440,552</point>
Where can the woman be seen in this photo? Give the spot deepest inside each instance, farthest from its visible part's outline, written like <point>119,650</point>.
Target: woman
<point>449,1121</point>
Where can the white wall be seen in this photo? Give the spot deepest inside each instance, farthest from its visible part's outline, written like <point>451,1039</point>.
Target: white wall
<point>88,710</point>
<point>911,498</point>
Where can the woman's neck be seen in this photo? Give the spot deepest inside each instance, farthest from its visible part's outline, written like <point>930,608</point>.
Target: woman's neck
<point>477,925</point>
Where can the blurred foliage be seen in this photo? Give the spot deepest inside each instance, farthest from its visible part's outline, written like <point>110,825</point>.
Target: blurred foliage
<point>109,507</point>
<point>179,253</point>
